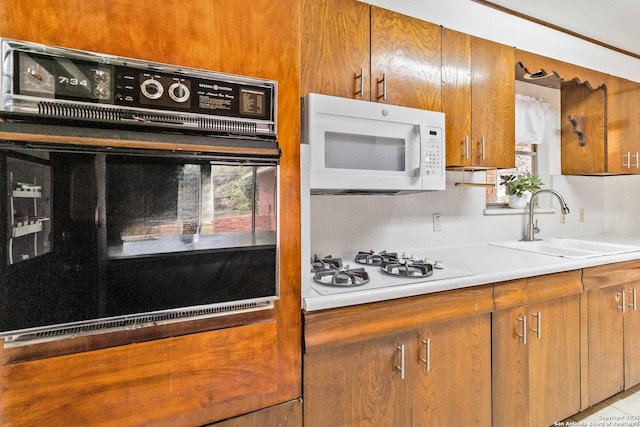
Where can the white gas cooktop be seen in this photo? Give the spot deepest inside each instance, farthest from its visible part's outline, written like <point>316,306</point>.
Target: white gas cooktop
<point>379,279</point>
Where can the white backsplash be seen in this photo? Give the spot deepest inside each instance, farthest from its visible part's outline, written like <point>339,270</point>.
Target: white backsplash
<point>343,225</point>
<point>622,201</point>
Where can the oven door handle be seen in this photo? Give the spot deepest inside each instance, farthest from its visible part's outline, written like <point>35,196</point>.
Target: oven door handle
<point>421,170</point>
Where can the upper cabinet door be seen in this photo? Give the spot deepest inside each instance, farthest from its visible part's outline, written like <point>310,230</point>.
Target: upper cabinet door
<point>405,60</point>
<point>589,107</point>
<point>353,50</point>
<point>622,144</point>
<point>335,48</point>
<point>478,98</point>
<point>493,104</point>
<point>456,95</point>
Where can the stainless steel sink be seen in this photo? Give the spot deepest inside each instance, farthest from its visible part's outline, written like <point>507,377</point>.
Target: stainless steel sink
<point>568,248</point>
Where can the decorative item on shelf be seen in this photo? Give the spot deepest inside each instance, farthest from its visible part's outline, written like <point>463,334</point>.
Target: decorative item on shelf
<point>577,123</point>
<point>518,187</point>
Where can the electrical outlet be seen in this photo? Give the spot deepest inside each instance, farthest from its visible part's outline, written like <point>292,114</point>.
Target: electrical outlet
<point>581,214</point>
<point>437,225</point>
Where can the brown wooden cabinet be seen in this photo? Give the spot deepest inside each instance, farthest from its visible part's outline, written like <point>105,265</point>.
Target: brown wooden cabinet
<point>451,373</point>
<point>612,330</point>
<point>358,383</point>
<point>623,130</point>
<point>478,98</point>
<point>609,105</point>
<point>353,50</point>
<point>421,361</point>
<point>536,357</point>
<point>435,375</point>
<point>335,48</point>
<point>584,153</point>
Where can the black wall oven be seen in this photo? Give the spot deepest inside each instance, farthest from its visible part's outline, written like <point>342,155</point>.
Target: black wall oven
<point>107,225</point>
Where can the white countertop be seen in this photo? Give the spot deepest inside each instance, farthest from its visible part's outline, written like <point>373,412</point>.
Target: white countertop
<point>488,263</point>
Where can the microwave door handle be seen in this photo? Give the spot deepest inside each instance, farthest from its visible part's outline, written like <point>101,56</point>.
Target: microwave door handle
<point>422,169</point>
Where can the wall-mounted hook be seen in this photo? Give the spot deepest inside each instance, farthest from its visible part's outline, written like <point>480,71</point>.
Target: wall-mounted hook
<point>577,122</point>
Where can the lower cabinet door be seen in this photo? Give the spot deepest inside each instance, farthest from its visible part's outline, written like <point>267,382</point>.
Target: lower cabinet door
<point>452,374</point>
<point>536,363</point>
<point>605,332</point>
<point>360,384</point>
<point>554,360</point>
<point>510,367</point>
<point>632,336</point>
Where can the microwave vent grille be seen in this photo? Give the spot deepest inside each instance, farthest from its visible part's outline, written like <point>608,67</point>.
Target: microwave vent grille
<point>129,323</point>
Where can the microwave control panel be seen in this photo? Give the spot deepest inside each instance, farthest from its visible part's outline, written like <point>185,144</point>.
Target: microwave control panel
<point>433,152</point>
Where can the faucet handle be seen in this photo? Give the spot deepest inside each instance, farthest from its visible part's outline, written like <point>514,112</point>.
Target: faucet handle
<point>536,230</point>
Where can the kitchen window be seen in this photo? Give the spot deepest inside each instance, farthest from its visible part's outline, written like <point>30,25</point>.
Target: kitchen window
<point>526,161</point>
<point>531,129</point>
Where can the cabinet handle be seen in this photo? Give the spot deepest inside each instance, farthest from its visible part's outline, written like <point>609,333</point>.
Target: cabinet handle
<point>400,367</point>
<point>384,86</point>
<point>622,306</point>
<point>465,155</point>
<point>482,146</point>
<point>361,77</point>
<point>427,352</point>
<point>628,157</point>
<point>523,335</point>
<point>637,160</point>
<point>633,304</point>
<point>538,317</point>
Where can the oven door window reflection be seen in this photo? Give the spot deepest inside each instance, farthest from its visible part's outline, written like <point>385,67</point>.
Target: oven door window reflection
<point>165,207</point>
<point>29,207</point>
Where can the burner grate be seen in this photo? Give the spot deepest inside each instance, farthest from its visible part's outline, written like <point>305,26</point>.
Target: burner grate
<point>407,267</point>
<point>326,263</point>
<point>373,258</point>
<point>344,277</point>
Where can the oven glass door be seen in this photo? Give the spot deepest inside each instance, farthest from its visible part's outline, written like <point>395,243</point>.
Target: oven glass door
<point>90,236</point>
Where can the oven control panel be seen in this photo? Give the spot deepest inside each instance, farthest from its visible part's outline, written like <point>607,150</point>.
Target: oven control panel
<point>57,82</point>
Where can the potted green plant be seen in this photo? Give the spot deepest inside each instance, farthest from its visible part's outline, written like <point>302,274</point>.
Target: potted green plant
<point>518,187</point>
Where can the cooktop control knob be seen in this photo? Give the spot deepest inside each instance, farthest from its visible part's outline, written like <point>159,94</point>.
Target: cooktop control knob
<point>179,92</point>
<point>152,89</point>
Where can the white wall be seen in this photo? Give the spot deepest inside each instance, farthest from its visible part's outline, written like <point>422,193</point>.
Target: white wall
<point>482,21</point>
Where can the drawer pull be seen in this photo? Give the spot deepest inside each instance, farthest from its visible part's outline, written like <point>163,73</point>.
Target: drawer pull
<point>623,306</point>
<point>361,77</point>
<point>634,302</point>
<point>466,147</point>
<point>384,86</point>
<point>523,335</point>
<point>482,155</point>
<point>538,317</point>
<point>427,351</point>
<point>400,367</point>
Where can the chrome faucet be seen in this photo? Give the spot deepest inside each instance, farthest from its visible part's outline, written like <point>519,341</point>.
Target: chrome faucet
<point>532,228</point>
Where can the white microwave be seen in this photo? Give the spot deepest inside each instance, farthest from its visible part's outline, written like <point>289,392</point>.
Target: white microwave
<point>366,147</point>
